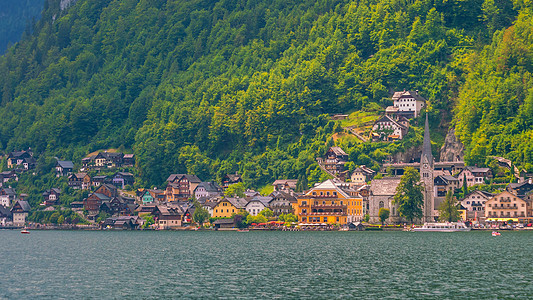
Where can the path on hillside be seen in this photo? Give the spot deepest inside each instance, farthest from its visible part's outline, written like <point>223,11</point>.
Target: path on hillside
<point>356,134</point>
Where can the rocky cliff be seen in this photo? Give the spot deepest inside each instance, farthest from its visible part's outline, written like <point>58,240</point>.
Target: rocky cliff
<point>453,149</point>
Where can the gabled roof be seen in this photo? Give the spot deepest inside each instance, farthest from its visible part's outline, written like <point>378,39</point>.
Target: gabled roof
<point>237,202</point>
<point>190,178</point>
<point>386,118</point>
<point>129,155</point>
<point>283,195</point>
<point>101,196</point>
<point>407,94</point>
<point>23,204</point>
<point>483,194</point>
<point>65,164</point>
<point>477,170</point>
<point>17,154</point>
<point>209,204</point>
<point>210,186</point>
<point>9,191</point>
<point>263,199</point>
<point>337,151</point>
<point>290,182</point>
<point>233,177</point>
<point>328,185</point>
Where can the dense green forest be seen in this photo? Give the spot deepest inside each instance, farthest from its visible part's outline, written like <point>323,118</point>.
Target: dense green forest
<point>16,18</point>
<point>212,87</point>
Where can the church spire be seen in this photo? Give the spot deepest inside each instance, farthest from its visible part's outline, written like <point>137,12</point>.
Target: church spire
<point>426,146</point>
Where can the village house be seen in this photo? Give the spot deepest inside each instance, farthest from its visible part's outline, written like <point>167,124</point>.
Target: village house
<point>520,189</point>
<point>387,129</point>
<point>207,190</point>
<point>281,203</point>
<point>99,180</point>
<point>103,160</point>
<point>79,180</point>
<point>123,222</point>
<point>327,203</point>
<point>51,197</point>
<point>285,185</point>
<point>226,207</point>
<point>408,103</point>
<point>6,176</point>
<point>64,168</point>
<point>181,187</point>
<point>505,206</point>
<point>168,216</point>
<point>230,179</point>
<point>128,160</point>
<point>103,193</point>
<point>7,196</point>
<point>122,179</point>
<point>257,204</point>
<point>445,183</point>
<point>362,174</point>
<point>474,205</point>
<point>474,175</point>
<point>152,196</point>
<point>334,160</point>
<point>22,159</point>
<point>6,217</point>
<point>20,211</point>
<point>210,207</point>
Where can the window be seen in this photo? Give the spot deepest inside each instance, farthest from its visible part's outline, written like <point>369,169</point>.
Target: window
<point>304,203</point>
<point>325,219</point>
<point>381,204</point>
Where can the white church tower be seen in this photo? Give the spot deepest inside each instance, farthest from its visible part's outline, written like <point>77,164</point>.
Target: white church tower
<point>426,173</point>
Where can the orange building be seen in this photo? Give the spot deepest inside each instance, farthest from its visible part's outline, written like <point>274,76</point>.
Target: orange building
<point>328,203</point>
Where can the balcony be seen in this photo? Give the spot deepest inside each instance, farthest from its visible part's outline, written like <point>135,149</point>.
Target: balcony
<point>328,206</point>
<point>323,196</point>
<point>505,207</point>
<point>324,214</point>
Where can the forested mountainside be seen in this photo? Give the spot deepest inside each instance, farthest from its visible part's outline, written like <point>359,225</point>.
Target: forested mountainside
<point>17,16</point>
<point>213,87</point>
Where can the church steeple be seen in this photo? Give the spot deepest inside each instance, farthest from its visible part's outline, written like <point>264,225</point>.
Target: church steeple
<point>427,156</point>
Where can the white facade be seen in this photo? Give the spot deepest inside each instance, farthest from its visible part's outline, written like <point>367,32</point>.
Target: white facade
<point>254,207</point>
<point>19,219</point>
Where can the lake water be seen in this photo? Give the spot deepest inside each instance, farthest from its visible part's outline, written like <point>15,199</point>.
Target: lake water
<point>264,265</point>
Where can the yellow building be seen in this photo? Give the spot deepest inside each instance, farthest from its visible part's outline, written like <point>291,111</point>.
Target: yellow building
<point>328,203</point>
<point>226,207</point>
<point>505,206</point>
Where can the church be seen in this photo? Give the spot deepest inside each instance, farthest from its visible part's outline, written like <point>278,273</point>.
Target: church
<point>382,190</point>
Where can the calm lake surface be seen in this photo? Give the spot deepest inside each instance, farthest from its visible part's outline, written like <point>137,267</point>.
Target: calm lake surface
<point>264,265</point>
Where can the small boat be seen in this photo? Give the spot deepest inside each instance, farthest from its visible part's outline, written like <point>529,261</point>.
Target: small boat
<point>496,233</point>
<point>25,231</point>
<point>243,230</point>
<point>442,227</point>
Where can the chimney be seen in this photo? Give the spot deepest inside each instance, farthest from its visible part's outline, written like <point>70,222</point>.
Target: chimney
<point>417,92</point>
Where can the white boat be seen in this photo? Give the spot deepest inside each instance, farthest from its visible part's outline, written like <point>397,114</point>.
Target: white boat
<point>443,227</point>
<point>496,233</point>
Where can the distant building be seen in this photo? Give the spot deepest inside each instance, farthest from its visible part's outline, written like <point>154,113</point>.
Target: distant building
<point>64,168</point>
<point>51,197</point>
<point>408,103</point>
<point>7,196</point>
<point>6,217</point>
<point>381,195</point>
<point>122,179</point>
<point>226,207</point>
<point>282,203</point>
<point>387,129</point>
<point>328,203</point>
<point>181,187</point>
<point>230,179</point>
<point>504,207</point>
<point>334,160</point>
<point>474,175</point>
<point>207,190</point>
<point>285,184</point>
<point>474,205</point>
<point>362,174</point>
<point>22,159</point>
<point>257,204</point>
<point>20,211</point>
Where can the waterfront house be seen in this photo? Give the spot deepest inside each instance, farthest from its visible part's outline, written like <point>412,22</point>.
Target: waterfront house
<point>257,204</point>
<point>328,203</point>
<point>281,203</point>
<point>474,205</point>
<point>505,206</point>
<point>167,217</point>
<point>474,175</point>
<point>121,179</point>
<point>51,197</point>
<point>210,207</point>
<point>230,179</point>
<point>207,190</point>
<point>228,206</point>
<point>6,217</point>
<point>93,202</point>
<point>224,223</point>
<point>7,196</point>
<point>64,168</point>
<point>181,187</point>
<point>20,211</point>
<point>122,222</point>
<point>287,185</point>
